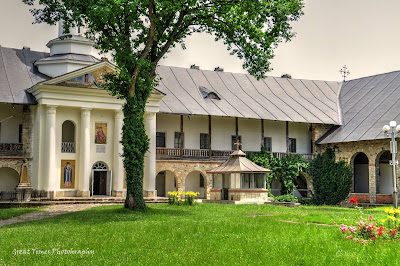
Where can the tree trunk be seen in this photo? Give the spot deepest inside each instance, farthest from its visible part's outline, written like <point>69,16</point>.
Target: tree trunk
<point>135,143</point>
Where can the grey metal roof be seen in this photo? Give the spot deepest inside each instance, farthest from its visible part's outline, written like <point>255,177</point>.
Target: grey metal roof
<point>75,57</point>
<point>367,105</point>
<point>244,96</point>
<point>17,73</point>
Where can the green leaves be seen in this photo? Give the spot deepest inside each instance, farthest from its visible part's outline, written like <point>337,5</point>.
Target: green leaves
<point>331,180</point>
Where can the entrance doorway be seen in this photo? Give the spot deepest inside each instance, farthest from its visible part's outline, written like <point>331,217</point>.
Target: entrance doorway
<point>101,179</point>
<point>100,183</point>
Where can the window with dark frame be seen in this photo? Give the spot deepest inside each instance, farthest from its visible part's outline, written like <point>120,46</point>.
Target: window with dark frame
<point>201,180</point>
<point>292,145</point>
<point>234,141</point>
<point>203,141</point>
<point>268,144</point>
<point>160,139</point>
<point>20,134</point>
<point>177,143</point>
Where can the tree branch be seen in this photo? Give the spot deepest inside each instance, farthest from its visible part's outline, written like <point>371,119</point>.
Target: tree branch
<point>146,49</point>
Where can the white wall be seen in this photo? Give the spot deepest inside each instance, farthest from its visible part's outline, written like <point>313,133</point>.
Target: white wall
<point>9,132</point>
<point>361,177</point>
<point>9,179</point>
<point>223,128</point>
<point>385,179</point>
<point>192,183</point>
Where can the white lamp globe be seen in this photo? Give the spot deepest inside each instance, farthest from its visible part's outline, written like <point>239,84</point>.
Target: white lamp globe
<point>385,129</point>
<point>392,123</point>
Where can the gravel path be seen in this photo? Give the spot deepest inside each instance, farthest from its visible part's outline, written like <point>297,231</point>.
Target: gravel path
<point>50,211</point>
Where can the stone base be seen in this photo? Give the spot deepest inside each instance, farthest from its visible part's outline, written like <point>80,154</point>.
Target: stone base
<point>66,193</point>
<point>83,193</point>
<point>150,193</point>
<point>24,192</point>
<point>120,194</point>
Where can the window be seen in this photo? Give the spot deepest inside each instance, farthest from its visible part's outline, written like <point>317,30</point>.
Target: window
<point>68,137</point>
<point>177,142</point>
<point>203,141</point>
<point>268,144</point>
<point>160,139</point>
<point>201,180</point>
<point>234,141</point>
<point>292,145</point>
<point>20,134</point>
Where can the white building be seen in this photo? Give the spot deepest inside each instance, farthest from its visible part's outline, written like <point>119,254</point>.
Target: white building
<point>54,112</point>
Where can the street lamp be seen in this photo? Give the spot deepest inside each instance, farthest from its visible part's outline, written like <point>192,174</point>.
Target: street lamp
<point>392,130</point>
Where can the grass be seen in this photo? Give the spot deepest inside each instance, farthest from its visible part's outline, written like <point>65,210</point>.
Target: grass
<point>201,235</point>
<point>12,212</point>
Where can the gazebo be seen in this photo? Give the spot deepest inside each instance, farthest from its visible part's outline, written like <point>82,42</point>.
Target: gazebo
<point>239,179</point>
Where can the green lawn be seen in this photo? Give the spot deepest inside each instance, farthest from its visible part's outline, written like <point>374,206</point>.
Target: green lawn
<point>12,212</point>
<point>204,234</point>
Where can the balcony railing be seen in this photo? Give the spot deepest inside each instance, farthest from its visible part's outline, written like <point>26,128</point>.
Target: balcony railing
<point>11,149</point>
<point>170,153</point>
<point>68,147</point>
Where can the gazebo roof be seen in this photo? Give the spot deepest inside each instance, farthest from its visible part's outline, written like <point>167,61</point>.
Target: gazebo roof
<point>238,163</point>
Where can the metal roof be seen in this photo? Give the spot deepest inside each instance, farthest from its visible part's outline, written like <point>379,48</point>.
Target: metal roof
<point>367,105</point>
<point>74,57</point>
<point>241,95</point>
<point>17,74</point>
<point>238,163</point>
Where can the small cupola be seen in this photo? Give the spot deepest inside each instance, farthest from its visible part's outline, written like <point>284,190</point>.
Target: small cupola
<point>68,52</point>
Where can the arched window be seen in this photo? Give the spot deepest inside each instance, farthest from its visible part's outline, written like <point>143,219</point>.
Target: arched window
<point>68,137</point>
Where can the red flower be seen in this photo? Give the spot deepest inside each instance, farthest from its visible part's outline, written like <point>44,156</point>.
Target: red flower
<point>354,201</point>
<point>380,232</point>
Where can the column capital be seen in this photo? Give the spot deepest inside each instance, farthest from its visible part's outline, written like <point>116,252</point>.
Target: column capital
<point>51,109</point>
<point>149,114</point>
<point>85,111</point>
<point>119,114</point>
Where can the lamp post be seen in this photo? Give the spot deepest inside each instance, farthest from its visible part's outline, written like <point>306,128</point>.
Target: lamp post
<point>392,130</point>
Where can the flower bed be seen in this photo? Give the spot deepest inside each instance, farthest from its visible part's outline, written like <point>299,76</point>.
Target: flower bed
<point>368,231</point>
<point>179,198</point>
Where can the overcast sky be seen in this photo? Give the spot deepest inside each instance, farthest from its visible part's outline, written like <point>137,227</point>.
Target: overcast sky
<point>362,34</point>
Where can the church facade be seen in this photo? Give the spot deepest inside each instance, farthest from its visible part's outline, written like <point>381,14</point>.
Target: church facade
<point>55,114</point>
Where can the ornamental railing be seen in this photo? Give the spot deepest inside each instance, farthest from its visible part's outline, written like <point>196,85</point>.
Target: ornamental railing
<point>11,149</point>
<point>174,153</point>
<point>68,147</point>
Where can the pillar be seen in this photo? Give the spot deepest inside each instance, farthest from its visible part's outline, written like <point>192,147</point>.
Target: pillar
<point>118,166</point>
<point>84,156</point>
<point>50,150</point>
<point>372,181</point>
<point>149,178</point>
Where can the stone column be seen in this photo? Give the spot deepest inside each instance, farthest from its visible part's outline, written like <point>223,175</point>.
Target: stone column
<point>372,182</point>
<point>84,154</point>
<point>118,169</point>
<point>50,151</point>
<point>149,178</point>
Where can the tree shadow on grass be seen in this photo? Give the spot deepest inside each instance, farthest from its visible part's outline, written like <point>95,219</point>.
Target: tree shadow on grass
<point>105,214</point>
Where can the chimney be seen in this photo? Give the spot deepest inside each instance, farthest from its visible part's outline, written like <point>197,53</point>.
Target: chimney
<point>218,69</point>
<point>26,48</point>
<point>194,67</point>
<point>286,76</point>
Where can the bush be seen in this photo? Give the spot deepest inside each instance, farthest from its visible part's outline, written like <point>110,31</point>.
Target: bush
<point>179,198</point>
<point>331,180</point>
<point>286,198</point>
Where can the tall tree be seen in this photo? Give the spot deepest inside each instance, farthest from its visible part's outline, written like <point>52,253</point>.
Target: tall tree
<point>138,33</point>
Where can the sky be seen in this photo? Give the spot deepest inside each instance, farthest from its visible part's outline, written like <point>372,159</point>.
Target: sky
<point>364,35</point>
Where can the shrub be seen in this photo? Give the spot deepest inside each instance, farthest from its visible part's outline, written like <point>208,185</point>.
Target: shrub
<point>331,180</point>
<point>286,198</point>
<point>287,169</point>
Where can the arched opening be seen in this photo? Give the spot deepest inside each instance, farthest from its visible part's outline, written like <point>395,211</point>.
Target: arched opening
<point>9,179</point>
<point>68,137</point>
<point>101,179</point>
<point>301,190</point>
<point>384,179</point>
<point>165,182</point>
<point>196,182</point>
<point>361,173</point>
